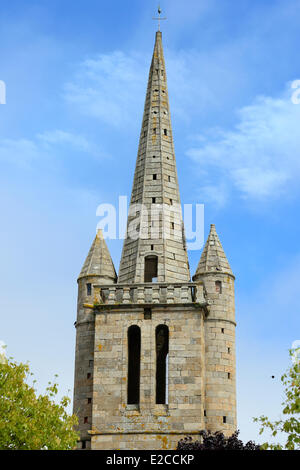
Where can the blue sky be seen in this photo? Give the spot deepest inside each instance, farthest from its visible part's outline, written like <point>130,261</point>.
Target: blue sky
<point>76,76</point>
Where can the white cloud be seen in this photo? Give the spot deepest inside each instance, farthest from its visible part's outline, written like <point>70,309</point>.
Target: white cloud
<point>66,139</point>
<point>62,137</point>
<point>112,87</point>
<point>19,151</point>
<point>259,158</point>
<point>24,152</point>
<point>109,87</point>
<point>217,196</point>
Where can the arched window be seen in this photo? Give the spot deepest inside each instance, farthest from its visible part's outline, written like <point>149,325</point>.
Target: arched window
<point>150,274</point>
<point>162,351</point>
<point>134,358</point>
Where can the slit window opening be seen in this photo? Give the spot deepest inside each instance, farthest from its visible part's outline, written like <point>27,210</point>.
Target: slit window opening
<point>89,289</point>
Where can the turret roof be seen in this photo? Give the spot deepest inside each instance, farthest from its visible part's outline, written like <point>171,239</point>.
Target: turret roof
<point>98,261</point>
<point>213,258</point>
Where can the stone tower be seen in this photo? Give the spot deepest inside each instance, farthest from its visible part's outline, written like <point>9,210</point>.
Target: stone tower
<point>155,352</point>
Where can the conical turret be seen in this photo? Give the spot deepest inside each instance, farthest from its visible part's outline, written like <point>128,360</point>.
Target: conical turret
<point>155,210</point>
<point>220,393</point>
<point>213,258</point>
<point>99,262</point>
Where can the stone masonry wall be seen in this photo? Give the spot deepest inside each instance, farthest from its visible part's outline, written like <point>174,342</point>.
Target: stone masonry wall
<point>220,389</point>
<point>84,358</point>
<point>151,425</point>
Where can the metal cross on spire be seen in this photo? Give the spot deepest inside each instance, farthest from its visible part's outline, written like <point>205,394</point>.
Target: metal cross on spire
<point>159,17</point>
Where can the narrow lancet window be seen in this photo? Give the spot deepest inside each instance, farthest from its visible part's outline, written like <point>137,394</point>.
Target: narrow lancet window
<point>162,352</point>
<point>134,358</point>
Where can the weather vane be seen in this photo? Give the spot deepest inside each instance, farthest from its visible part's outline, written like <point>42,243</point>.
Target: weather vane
<point>159,17</point>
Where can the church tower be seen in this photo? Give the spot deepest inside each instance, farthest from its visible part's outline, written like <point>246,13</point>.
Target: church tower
<point>155,352</point>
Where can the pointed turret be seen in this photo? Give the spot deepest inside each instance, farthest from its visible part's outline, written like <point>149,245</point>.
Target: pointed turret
<point>220,394</point>
<point>155,189</point>
<point>213,258</point>
<point>98,268</point>
<point>98,261</point>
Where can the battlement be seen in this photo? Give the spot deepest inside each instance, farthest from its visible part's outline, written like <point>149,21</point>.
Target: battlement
<point>149,293</point>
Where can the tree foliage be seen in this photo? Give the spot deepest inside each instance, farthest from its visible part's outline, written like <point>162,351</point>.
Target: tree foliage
<point>290,423</point>
<point>216,441</point>
<point>29,421</point>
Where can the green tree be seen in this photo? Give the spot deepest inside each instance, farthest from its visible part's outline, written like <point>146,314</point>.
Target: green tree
<point>29,421</point>
<point>290,423</point>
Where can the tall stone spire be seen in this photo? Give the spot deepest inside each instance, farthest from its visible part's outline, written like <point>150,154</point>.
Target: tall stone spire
<point>98,261</point>
<point>159,252</point>
<point>213,258</point>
